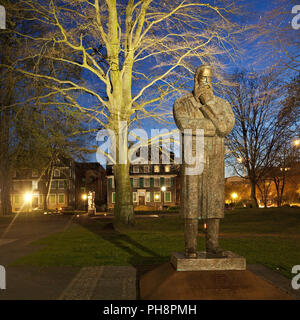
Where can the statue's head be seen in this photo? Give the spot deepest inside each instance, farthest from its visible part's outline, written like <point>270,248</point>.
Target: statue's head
<point>202,80</point>
<point>203,75</point>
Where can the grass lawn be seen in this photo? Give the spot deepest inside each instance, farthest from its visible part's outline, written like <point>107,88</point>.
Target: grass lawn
<point>267,236</point>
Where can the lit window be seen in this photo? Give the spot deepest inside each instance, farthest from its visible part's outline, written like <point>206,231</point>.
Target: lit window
<point>56,173</point>
<point>167,168</point>
<point>52,198</point>
<point>135,182</point>
<point>146,169</point>
<point>61,198</point>
<point>34,184</point>
<point>146,182</point>
<point>17,198</point>
<point>156,168</point>
<point>157,196</point>
<point>148,196</point>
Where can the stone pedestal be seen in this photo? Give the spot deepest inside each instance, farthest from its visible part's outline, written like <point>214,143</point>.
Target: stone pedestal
<point>165,283</point>
<point>230,261</point>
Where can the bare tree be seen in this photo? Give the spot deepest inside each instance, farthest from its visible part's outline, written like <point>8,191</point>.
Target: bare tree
<point>132,55</point>
<point>276,37</point>
<point>260,125</point>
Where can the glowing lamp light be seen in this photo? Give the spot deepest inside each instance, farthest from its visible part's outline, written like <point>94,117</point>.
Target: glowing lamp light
<point>239,160</point>
<point>297,142</point>
<point>156,196</point>
<point>28,197</point>
<point>234,195</point>
<point>84,197</point>
<point>163,188</point>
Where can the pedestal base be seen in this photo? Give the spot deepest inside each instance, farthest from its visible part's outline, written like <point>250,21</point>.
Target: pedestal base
<point>230,261</point>
<point>165,283</point>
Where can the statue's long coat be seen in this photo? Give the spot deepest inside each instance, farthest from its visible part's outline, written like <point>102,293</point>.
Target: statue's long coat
<point>202,196</point>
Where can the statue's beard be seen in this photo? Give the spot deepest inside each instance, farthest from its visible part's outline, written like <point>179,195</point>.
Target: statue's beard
<point>202,89</point>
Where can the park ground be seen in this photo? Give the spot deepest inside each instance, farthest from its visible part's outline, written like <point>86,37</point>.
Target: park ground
<point>31,244</point>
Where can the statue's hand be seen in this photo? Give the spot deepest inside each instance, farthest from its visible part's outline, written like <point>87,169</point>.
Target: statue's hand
<point>206,97</point>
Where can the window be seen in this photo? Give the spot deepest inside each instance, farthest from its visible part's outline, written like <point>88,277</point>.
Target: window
<point>17,199</point>
<point>16,186</point>
<point>141,182</point>
<point>168,182</point>
<point>156,168</point>
<point>112,182</point>
<point>136,169</point>
<point>146,169</point>
<point>146,182</point>
<point>162,181</point>
<point>167,196</point>
<point>61,198</point>
<point>113,198</point>
<point>61,184</point>
<point>135,197</point>
<point>34,184</point>
<point>82,189</point>
<point>54,184</point>
<point>52,199</point>
<point>157,196</point>
<point>148,197</point>
<point>156,182</point>
<point>135,182</point>
<point>56,173</point>
<point>35,173</point>
<point>167,168</point>
<point>151,182</point>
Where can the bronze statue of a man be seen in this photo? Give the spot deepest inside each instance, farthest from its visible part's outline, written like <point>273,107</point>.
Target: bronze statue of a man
<point>202,195</point>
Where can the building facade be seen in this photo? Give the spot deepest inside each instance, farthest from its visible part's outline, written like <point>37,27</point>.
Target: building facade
<point>90,176</point>
<point>154,186</point>
<point>69,182</point>
<point>29,191</point>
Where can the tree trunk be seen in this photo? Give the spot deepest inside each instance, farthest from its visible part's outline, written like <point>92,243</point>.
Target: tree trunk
<point>123,211</point>
<point>5,163</point>
<point>5,187</point>
<point>253,194</point>
<point>47,184</point>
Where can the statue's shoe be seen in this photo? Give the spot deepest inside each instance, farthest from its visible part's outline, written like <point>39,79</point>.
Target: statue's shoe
<point>191,255</point>
<point>215,253</point>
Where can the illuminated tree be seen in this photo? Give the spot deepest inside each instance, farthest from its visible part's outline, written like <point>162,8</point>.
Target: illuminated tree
<point>132,56</point>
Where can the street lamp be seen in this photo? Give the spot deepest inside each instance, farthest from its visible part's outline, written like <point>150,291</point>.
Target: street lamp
<point>84,198</point>
<point>296,142</point>
<point>27,197</point>
<point>239,160</point>
<point>234,196</point>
